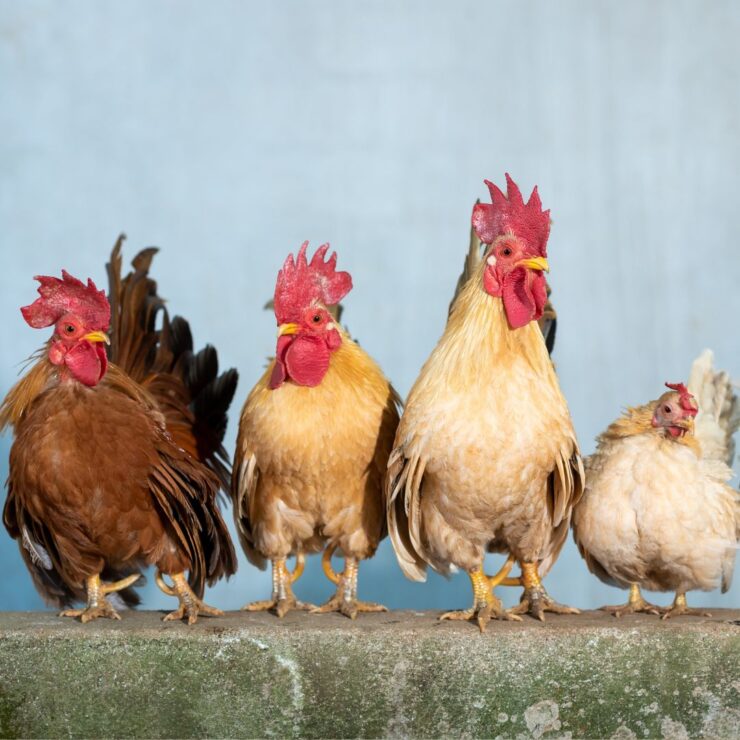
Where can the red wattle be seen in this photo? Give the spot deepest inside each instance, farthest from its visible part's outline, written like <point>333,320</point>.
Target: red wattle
<point>524,295</point>
<point>85,364</point>
<point>279,373</point>
<point>307,361</point>
<point>518,299</point>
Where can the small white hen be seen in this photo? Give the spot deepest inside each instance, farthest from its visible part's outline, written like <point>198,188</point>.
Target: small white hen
<point>657,512</point>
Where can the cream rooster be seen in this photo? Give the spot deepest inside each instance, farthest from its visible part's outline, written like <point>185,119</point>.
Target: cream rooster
<point>485,457</point>
<point>657,512</point>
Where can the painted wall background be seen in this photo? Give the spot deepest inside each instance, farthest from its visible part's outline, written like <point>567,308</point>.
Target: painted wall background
<point>229,132</point>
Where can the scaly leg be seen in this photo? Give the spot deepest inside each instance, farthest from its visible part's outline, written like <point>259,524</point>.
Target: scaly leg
<point>190,605</point>
<point>485,605</point>
<point>97,604</point>
<point>283,599</point>
<point>681,608</point>
<point>345,599</point>
<point>634,605</point>
<point>535,600</point>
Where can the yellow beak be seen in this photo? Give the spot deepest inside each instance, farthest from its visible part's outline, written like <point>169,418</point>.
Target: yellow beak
<point>287,329</point>
<point>97,336</point>
<point>535,263</point>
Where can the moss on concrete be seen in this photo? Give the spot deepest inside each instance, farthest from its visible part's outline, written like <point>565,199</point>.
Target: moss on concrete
<point>393,675</point>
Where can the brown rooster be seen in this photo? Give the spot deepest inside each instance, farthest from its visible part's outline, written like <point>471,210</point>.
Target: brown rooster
<point>118,459</point>
<point>485,455</point>
<point>314,440</point>
<point>657,512</point>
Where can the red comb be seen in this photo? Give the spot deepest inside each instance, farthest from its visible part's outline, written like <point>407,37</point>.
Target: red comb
<point>687,401</point>
<point>510,213</point>
<point>300,283</point>
<point>68,295</point>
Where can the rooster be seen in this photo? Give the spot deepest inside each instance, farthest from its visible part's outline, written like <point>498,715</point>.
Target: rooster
<point>485,457</point>
<point>657,512</point>
<point>118,457</point>
<point>314,439</point>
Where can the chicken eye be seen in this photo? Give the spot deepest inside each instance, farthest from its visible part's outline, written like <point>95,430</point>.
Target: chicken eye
<point>316,318</point>
<point>668,409</point>
<point>69,329</point>
<point>506,251</point>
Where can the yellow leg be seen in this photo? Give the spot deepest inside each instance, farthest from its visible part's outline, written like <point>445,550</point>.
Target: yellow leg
<point>681,608</point>
<point>345,599</point>
<point>283,600</point>
<point>485,605</point>
<point>97,604</point>
<point>535,600</point>
<point>190,605</point>
<point>635,604</point>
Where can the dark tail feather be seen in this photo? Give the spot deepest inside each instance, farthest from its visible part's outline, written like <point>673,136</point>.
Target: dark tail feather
<point>187,385</point>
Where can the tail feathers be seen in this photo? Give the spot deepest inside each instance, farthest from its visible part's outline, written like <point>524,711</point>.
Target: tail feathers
<point>211,405</point>
<point>187,386</point>
<point>719,409</point>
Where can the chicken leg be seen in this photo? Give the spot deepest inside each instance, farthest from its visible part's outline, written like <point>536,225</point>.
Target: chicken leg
<point>97,604</point>
<point>345,600</point>
<point>283,600</point>
<point>485,605</point>
<point>190,605</point>
<point>535,600</point>
<point>681,608</point>
<point>634,605</point>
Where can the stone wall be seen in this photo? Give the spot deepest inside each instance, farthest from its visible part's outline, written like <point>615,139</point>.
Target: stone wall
<point>400,674</point>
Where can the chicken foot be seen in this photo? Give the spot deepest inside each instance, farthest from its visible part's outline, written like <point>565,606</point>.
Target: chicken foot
<point>486,606</point>
<point>681,608</point>
<point>97,604</point>
<point>634,605</point>
<point>345,600</point>
<point>283,600</point>
<point>190,605</point>
<point>535,600</point>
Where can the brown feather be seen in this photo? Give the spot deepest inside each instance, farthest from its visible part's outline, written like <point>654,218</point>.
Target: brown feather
<point>109,479</point>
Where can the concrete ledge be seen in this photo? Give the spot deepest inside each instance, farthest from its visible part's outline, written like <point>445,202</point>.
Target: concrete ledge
<point>398,674</point>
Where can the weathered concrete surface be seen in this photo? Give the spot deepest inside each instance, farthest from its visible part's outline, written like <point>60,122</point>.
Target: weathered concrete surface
<point>390,675</point>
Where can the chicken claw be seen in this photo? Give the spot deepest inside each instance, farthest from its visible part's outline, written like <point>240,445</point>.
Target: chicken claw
<point>97,604</point>
<point>345,599</point>
<point>485,605</point>
<point>634,605</point>
<point>283,600</point>
<point>681,608</point>
<point>190,605</point>
<point>535,600</point>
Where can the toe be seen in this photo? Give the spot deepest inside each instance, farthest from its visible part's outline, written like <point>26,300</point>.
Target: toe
<point>282,608</point>
<point>258,606</point>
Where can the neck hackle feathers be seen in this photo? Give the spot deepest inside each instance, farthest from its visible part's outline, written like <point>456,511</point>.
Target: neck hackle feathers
<point>687,401</point>
<point>68,295</point>
<point>301,284</point>
<point>510,214</point>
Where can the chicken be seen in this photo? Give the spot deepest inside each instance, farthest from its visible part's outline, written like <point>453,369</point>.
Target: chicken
<point>117,460</point>
<point>657,512</point>
<point>314,439</point>
<point>485,456</point>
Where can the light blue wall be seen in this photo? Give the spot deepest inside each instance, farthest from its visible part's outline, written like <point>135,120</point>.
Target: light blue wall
<point>229,132</point>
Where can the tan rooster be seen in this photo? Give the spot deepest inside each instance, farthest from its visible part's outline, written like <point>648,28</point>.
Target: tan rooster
<point>657,512</point>
<point>485,457</point>
<point>314,439</point>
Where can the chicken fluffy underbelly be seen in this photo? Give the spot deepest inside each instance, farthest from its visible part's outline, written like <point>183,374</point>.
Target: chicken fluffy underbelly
<point>487,471</point>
